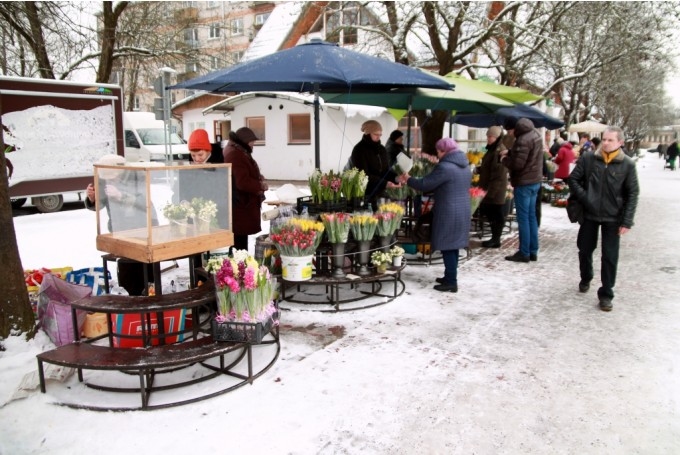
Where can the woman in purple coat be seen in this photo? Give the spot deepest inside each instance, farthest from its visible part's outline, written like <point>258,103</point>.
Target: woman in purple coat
<point>450,181</point>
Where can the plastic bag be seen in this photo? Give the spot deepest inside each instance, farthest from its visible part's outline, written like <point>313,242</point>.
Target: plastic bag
<point>54,308</point>
<point>92,277</point>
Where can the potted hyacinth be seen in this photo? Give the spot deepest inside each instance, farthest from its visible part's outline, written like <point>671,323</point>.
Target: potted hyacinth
<point>205,212</point>
<point>397,253</point>
<point>245,298</point>
<point>381,261</point>
<point>177,215</point>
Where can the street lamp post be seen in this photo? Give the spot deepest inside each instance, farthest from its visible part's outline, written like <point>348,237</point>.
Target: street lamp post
<point>165,82</point>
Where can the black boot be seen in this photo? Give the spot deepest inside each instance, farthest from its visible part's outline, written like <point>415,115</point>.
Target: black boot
<point>496,230</point>
<point>493,242</point>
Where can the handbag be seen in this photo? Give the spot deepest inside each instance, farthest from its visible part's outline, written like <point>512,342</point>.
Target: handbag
<point>574,210</point>
<point>422,232</point>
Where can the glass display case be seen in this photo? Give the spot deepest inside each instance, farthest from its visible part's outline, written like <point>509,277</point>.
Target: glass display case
<point>152,212</point>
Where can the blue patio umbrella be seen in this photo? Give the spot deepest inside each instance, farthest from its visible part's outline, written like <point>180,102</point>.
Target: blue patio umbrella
<point>539,118</point>
<point>315,67</point>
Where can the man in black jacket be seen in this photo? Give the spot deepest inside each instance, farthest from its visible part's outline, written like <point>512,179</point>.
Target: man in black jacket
<point>606,183</point>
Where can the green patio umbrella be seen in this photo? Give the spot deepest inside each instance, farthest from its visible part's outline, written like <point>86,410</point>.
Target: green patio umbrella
<point>513,95</point>
<point>459,99</point>
<point>405,100</point>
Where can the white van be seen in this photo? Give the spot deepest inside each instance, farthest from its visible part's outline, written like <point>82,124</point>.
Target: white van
<point>145,139</point>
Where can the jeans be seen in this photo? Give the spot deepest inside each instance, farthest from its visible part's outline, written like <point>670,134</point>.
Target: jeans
<point>587,242</point>
<point>450,266</point>
<point>525,207</point>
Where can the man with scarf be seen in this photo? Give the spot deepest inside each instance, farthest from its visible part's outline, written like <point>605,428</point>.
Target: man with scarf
<point>605,182</point>
<point>248,186</point>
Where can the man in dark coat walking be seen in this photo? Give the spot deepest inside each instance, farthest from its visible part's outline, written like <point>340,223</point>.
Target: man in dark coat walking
<point>605,182</point>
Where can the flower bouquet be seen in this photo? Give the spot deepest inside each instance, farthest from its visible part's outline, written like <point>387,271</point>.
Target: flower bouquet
<point>389,218</point>
<point>354,183</point>
<point>325,187</point>
<point>398,193</point>
<point>476,196</point>
<point>297,237</point>
<point>336,226</point>
<point>245,298</point>
<point>363,226</point>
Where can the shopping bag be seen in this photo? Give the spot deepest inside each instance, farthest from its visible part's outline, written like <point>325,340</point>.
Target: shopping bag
<point>92,277</point>
<point>130,326</point>
<point>574,210</point>
<point>54,308</point>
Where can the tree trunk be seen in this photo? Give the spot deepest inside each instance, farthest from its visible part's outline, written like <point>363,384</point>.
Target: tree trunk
<point>16,314</point>
<point>431,129</point>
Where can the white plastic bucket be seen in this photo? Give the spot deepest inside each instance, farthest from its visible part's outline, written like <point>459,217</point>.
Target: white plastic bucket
<point>296,268</point>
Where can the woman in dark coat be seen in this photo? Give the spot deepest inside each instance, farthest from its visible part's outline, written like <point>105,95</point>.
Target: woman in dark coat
<point>248,186</point>
<point>493,178</point>
<point>370,156</point>
<point>450,181</point>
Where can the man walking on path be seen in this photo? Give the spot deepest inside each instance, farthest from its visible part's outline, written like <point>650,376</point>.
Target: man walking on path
<point>525,162</point>
<point>605,182</point>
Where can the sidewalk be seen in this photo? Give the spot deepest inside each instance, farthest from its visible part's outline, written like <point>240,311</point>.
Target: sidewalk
<point>517,362</point>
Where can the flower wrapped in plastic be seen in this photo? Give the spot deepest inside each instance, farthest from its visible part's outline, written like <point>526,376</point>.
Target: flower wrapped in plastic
<point>476,196</point>
<point>336,226</point>
<point>396,213</point>
<point>297,237</point>
<point>354,183</point>
<point>325,187</point>
<point>363,226</point>
<point>245,290</point>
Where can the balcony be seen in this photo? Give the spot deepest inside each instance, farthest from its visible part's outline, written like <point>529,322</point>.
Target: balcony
<point>188,14</point>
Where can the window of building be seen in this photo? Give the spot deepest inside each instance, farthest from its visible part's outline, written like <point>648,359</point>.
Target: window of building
<point>341,22</point>
<point>136,103</point>
<point>236,56</point>
<point>213,4</point>
<point>215,30</point>
<point>191,66</point>
<point>215,63</point>
<point>237,27</point>
<point>190,34</point>
<point>257,125</point>
<point>299,129</point>
<point>261,18</point>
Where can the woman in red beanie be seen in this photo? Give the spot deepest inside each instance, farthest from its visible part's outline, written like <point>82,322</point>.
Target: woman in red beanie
<point>248,186</point>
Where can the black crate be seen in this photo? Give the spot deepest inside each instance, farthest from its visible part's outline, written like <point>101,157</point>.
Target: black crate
<point>244,332</point>
<point>314,208</point>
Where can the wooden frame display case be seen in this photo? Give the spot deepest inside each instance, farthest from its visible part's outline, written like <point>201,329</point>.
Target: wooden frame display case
<point>152,212</point>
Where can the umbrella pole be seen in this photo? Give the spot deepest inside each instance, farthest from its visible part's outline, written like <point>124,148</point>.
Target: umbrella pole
<point>317,152</point>
<point>408,130</point>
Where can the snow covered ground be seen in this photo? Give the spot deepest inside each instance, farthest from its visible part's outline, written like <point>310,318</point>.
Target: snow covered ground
<point>518,361</point>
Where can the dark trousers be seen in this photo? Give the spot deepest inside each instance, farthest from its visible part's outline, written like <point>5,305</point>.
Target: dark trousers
<point>240,242</point>
<point>450,266</point>
<point>494,213</point>
<point>587,242</point>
